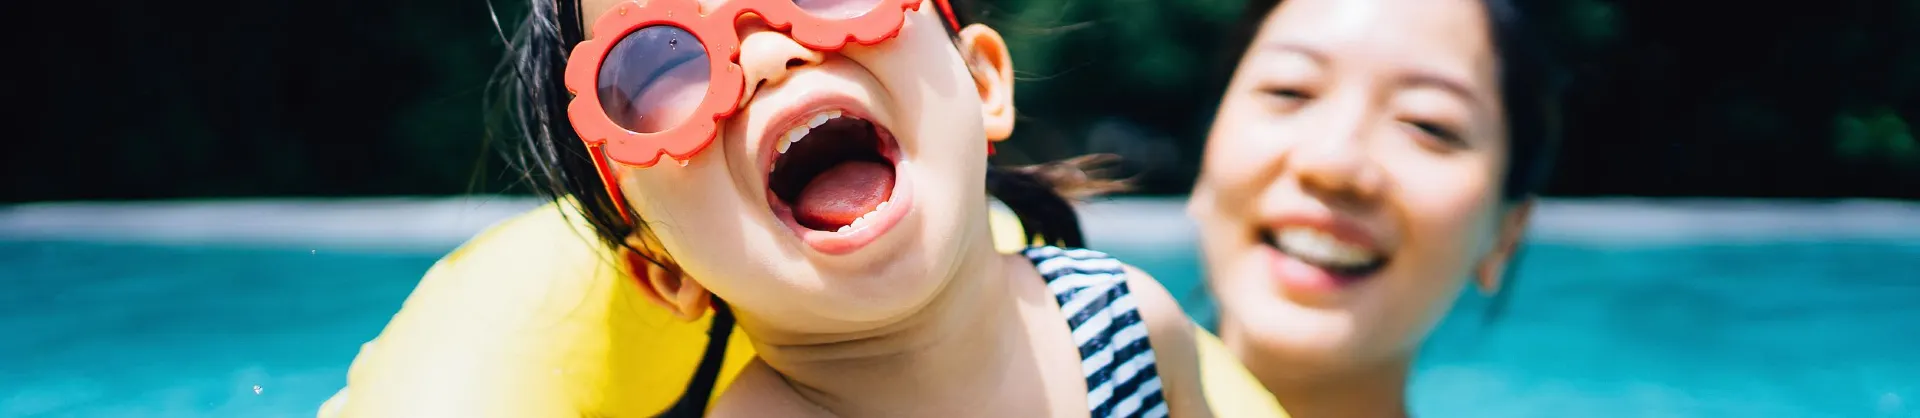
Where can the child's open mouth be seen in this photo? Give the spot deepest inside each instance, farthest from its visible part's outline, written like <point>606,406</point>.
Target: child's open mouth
<point>833,180</point>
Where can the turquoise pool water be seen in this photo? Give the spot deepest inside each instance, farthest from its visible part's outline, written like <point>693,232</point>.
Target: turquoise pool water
<point>1814,328</point>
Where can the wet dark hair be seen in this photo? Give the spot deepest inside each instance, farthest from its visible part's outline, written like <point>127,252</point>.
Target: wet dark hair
<point>1531,84</point>
<point>531,98</point>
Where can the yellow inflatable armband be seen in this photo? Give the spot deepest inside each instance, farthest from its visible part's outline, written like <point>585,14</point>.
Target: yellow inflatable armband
<point>531,318</point>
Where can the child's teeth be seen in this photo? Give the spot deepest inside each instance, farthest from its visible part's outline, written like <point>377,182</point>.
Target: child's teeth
<point>800,132</point>
<point>883,206</point>
<point>791,137</point>
<point>862,221</point>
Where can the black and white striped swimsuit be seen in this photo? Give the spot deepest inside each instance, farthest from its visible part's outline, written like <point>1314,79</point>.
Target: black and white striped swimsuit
<point>1091,287</point>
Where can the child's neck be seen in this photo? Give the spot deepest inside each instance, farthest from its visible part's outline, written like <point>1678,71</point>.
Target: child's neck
<point>946,356</point>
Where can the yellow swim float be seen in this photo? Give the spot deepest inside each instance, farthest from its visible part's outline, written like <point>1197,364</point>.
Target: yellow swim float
<point>532,318</point>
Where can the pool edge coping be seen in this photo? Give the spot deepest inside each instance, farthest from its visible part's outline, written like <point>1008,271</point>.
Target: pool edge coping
<point>440,222</point>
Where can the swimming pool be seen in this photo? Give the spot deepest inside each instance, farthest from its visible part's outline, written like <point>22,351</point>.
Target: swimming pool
<point>1678,319</point>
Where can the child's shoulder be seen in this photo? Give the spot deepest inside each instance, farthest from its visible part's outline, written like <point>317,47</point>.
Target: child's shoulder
<point>1055,262</point>
<point>1069,272</point>
<point>1170,332</point>
<point>1071,267</point>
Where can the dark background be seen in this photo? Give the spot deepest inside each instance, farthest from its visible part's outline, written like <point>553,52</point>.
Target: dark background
<point>146,100</point>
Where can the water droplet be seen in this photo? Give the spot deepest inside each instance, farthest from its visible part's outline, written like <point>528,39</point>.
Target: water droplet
<point>683,163</point>
<point>623,10</point>
<point>673,43</point>
<point>256,389</point>
<point>312,252</point>
<point>669,14</point>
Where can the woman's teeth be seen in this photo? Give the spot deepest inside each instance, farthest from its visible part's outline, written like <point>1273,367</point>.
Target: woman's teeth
<point>1319,248</point>
<point>862,220</point>
<point>800,132</point>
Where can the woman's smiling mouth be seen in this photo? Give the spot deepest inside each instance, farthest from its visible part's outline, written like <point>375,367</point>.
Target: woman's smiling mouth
<point>1316,257</point>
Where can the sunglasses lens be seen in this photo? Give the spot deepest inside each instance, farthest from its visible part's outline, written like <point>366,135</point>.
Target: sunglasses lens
<point>654,78</point>
<point>837,9</point>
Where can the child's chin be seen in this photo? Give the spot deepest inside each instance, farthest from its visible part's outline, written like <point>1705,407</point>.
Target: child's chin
<point>869,302</point>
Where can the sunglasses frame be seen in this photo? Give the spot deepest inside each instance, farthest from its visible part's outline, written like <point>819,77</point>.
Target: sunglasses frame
<point>726,81</point>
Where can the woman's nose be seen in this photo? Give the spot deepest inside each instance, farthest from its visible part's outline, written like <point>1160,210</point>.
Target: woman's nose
<point>1337,169</point>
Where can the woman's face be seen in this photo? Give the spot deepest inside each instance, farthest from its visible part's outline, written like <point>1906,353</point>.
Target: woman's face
<point>782,216</point>
<point>1352,177</point>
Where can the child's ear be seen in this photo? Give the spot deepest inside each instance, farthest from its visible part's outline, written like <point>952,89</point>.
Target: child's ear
<point>669,288</point>
<point>1513,226</point>
<point>992,67</point>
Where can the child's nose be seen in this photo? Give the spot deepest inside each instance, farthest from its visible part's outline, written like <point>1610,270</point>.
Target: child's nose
<point>767,56</point>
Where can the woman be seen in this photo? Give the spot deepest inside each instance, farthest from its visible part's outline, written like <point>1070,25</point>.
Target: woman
<point>1368,157</point>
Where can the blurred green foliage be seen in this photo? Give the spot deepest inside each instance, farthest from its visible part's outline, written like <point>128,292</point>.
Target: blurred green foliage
<point>359,97</point>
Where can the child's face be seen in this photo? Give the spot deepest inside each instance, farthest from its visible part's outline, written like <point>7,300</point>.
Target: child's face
<point>1352,177</point>
<point>758,219</point>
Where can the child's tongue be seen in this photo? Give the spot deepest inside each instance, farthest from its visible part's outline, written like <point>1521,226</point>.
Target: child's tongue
<point>841,194</point>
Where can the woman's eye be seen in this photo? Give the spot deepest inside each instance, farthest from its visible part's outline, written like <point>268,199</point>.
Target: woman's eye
<point>1437,132</point>
<point>1286,93</point>
<point>1284,99</point>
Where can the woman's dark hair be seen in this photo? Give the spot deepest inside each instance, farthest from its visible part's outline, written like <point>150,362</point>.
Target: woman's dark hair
<point>533,98</point>
<point>1531,84</point>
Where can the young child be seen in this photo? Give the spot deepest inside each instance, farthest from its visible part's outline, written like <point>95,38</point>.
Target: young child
<point>1368,157</point>
<point>818,166</point>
